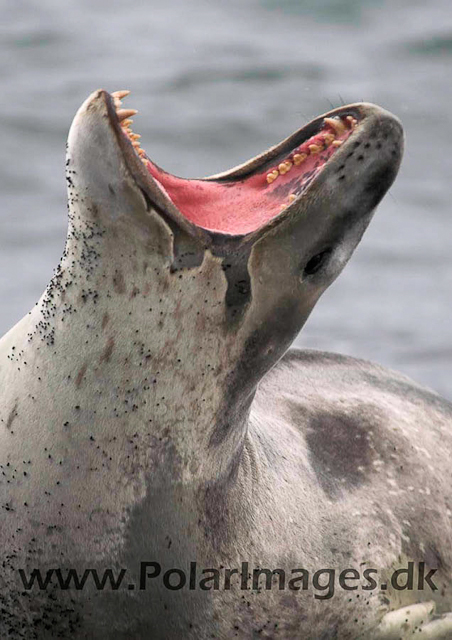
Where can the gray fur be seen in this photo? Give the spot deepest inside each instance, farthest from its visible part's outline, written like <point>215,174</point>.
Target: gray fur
<point>137,424</point>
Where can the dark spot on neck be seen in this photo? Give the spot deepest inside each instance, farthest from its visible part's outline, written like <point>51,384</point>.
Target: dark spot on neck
<point>106,354</point>
<point>80,375</point>
<point>119,283</point>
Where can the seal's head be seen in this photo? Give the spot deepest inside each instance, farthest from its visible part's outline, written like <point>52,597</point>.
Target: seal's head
<point>226,269</point>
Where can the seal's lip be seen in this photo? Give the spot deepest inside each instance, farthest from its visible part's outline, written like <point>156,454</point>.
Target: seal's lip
<point>365,115</point>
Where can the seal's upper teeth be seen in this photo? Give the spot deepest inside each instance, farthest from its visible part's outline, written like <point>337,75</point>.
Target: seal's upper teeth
<point>315,148</point>
<point>299,158</point>
<point>336,124</point>
<point>287,166</point>
<point>336,143</point>
<point>284,167</point>
<point>328,137</point>
<point>272,176</point>
<point>125,113</point>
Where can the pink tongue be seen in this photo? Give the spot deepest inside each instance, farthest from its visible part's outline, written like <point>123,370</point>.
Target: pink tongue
<point>242,206</point>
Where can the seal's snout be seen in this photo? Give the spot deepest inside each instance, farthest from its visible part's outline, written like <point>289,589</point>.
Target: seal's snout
<point>313,240</point>
<point>374,159</point>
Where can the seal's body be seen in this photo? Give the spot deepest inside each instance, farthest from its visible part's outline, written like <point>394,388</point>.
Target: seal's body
<point>136,441</point>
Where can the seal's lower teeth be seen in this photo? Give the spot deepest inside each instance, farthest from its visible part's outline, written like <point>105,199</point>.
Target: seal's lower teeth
<point>125,113</point>
<point>120,94</point>
<point>124,117</point>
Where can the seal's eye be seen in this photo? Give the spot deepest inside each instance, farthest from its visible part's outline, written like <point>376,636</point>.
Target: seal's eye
<point>316,262</point>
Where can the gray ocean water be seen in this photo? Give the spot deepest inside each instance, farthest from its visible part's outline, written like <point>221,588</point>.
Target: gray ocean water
<point>216,82</point>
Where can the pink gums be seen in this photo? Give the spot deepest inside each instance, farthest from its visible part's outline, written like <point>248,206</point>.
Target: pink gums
<point>244,205</point>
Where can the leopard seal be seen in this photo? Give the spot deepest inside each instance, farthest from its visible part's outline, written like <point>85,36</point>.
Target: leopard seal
<point>158,447</point>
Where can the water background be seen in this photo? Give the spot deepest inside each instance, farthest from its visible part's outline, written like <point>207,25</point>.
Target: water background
<point>216,82</point>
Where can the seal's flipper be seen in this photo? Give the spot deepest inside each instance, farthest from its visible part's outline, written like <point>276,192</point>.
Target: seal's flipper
<point>415,621</point>
<point>439,629</point>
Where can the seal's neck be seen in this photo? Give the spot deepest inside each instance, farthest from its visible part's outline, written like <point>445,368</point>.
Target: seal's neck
<point>145,350</point>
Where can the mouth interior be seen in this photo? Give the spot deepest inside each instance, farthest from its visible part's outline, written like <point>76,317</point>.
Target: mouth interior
<point>240,205</point>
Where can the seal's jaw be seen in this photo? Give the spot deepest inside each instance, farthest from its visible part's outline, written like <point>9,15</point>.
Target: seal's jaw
<point>243,200</point>
<point>233,242</point>
<point>256,196</point>
<point>246,198</point>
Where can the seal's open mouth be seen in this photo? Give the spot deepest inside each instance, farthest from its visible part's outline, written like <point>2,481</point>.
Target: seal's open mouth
<point>246,198</point>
